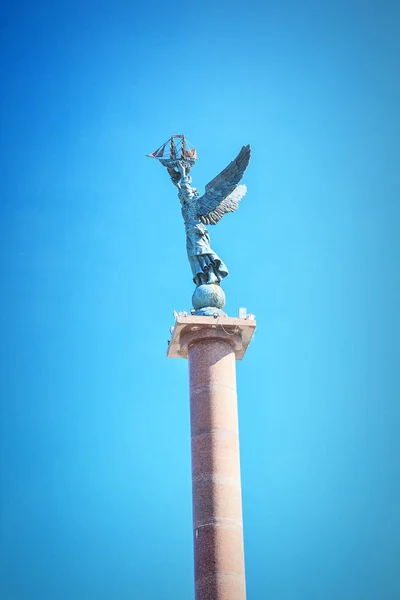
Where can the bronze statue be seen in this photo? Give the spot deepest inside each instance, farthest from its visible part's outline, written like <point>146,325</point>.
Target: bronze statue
<point>222,195</point>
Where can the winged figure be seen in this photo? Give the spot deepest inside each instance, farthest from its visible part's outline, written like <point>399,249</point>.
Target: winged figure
<point>222,195</point>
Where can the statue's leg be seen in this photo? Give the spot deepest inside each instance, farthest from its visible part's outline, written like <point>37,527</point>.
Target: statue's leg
<point>212,278</point>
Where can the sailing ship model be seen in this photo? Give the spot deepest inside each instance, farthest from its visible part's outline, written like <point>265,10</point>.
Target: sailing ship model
<point>176,149</point>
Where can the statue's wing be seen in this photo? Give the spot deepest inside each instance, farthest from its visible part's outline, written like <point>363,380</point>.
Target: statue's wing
<point>223,193</point>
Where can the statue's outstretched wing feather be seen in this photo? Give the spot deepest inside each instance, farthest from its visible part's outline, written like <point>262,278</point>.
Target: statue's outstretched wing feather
<point>223,194</point>
<point>228,204</point>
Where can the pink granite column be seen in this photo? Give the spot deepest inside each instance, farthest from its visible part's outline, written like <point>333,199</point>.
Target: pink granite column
<point>217,501</point>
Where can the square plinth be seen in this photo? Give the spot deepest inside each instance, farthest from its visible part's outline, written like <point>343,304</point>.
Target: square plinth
<point>242,329</point>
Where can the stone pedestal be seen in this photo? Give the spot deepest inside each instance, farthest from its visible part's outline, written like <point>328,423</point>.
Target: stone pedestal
<point>212,346</point>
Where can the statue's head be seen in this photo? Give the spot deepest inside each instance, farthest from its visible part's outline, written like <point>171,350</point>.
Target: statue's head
<point>187,192</point>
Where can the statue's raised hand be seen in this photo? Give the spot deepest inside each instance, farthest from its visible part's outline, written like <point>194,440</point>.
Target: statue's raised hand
<point>182,168</point>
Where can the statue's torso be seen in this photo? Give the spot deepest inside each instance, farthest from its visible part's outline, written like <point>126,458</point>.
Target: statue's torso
<point>197,238</point>
<point>189,211</point>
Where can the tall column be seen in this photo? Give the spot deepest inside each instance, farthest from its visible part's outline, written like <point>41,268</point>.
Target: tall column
<point>217,498</point>
<point>212,348</point>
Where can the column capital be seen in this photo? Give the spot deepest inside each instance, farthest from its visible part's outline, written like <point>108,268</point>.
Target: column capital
<point>188,330</point>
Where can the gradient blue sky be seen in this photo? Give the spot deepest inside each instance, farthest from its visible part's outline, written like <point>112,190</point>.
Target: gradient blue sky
<point>95,449</point>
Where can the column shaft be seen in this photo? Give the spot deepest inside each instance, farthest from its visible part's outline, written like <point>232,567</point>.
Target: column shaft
<point>217,501</point>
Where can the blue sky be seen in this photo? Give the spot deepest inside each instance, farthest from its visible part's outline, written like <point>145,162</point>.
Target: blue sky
<point>95,449</point>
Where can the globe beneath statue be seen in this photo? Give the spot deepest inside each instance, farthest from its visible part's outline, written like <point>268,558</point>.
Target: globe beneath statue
<point>209,300</point>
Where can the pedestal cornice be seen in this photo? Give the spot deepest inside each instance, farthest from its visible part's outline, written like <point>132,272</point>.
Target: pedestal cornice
<point>190,329</point>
